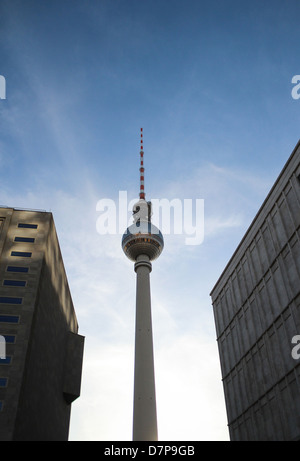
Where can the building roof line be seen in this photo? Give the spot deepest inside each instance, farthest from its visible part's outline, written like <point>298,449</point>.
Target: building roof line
<point>24,209</point>
<point>256,216</point>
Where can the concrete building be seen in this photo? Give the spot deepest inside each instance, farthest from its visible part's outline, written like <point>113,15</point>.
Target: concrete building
<point>142,243</point>
<point>41,374</point>
<point>256,304</point>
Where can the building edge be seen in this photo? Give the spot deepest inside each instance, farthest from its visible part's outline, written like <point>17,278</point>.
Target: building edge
<point>250,227</point>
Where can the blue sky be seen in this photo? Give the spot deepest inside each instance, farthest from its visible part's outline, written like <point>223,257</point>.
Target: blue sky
<point>210,83</point>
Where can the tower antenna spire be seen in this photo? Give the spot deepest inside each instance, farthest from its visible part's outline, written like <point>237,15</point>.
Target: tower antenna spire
<point>142,169</point>
<point>142,243</point>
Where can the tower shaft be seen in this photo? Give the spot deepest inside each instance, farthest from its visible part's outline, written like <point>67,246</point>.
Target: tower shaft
<point>143,242</point>
<point>144,411</point>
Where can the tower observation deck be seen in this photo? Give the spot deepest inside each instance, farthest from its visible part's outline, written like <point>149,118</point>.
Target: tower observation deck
<point>142,243</point>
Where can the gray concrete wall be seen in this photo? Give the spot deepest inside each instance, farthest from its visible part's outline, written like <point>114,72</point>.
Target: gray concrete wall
<point>256,305</point>
<point>44,412</point>
<point>34,405</point>
<point>15,370</point>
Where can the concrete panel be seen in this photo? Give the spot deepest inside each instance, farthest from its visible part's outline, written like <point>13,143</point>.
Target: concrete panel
<point>73,367</point>
<point>256,304</point>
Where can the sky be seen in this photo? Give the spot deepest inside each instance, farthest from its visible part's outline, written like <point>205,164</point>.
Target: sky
<point>210,82</point>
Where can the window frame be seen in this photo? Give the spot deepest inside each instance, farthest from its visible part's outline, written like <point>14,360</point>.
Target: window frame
<point>11,284</point>
<point>21,254</point>
<point>17,300</point>
<point>27,226</point>
<point>6,382</point>
<point>19,239</point>
<point>17,317</point>
<point>22,271</point>
<point>6,361</point>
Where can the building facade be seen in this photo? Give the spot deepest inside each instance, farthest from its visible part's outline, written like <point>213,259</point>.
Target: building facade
<point>40,375</point>
<point>256,304</point>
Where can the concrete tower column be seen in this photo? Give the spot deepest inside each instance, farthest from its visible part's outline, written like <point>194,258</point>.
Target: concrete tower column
<point>143,242</point>
<point>144,411</point>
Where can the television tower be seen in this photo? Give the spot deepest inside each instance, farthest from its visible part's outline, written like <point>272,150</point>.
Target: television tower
<point>143,242</point>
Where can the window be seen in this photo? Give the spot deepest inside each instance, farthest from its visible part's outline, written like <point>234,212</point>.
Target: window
<point>27,226</point>
<point>9,318</point>
<point>21,254</point>
<point>6,361</point>
<point>17,269</point>
<point>10,300</point>
<point>14,283</point>
<point>10,339</point>
<point>24,239</point>
<point>3,382</point>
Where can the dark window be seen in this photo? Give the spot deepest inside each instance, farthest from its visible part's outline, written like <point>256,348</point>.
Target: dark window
<point>11,339</point>
<point>14,283</point>
<point>22,254</point>
<point>10,300</point>
<point>17,269</point>
<point>9,319</point>
<point>5,361</point>
<point>24,239</point>
<point>3,382</point>
<point>28,226</point>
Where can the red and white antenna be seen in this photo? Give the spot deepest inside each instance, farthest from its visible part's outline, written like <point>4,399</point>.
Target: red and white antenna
<point>142,169</point>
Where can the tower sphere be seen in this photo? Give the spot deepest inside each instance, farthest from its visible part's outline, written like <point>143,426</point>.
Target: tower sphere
<point>142,238</point>
<point>143,242</point>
